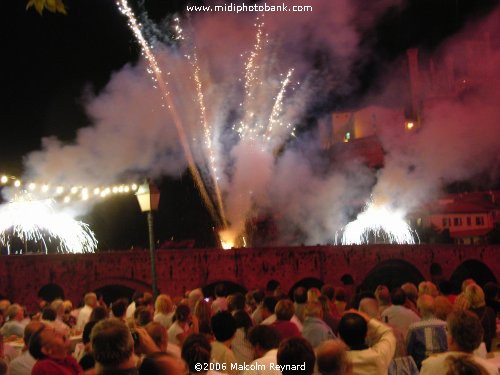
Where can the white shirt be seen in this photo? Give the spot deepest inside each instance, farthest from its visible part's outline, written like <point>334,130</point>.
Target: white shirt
<point>376,359</point>
<point>242,349</point>
<point>436,365</point>
<point>22,365</point>
<point>268,363</point>
<point>174,330</point>
<point>83,317</point>
<point>164,319</point>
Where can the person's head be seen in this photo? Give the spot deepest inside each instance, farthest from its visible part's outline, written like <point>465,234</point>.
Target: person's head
<point>383,295</point>
<point>298,352</point>
<point>466,283</point>
<point>58,306</point>
<point>268,306</point>
<point>46,342</point>
<point>15,312</point>
<point>328,291</point>
<point>284,310</point>
<point>158,333</point>
<point>68,307</point>
<point>182,313</point>
<point>90,299</point>
<point>331,358</point>
<point>236,302</point>
<point>352,330</point>
<point>196,349</point>
<point>163,304</point>
<point>313,294</point>
<point>442,307</point>
<point>425,305</point>
<point>112,343</point>
<point>258,296</point>
<point>194,296</point>
<point>313,310</point>
<point>263,338</point>
<point>220,290</point>
<point>369,306</point>
<point>160,363</point>
<point>223,326</point>
<point>142,316</point>
<point>49,314</point>
<point>445,287</point>
<point>87,330</point>
<point>202,311</point>
<point>427,287</point>
<point>119,308</point>
<point>398,297</point>
<point>243,320</point>
<point>29,330</point>
<point>147,301</point>
<point>137,296</point>
<point>340,294</point>
<point>273,287</point>
<point>98,313</point>
<point>464,365</point>
<point>465,331</point>
<point>411,291</point>
<point>474,296</point>
<point>4,305</point>
<point>300,295</point>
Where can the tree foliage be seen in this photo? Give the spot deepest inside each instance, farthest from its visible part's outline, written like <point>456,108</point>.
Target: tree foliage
<point>54,6</point>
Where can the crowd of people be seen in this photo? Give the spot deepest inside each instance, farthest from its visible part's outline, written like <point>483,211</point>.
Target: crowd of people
<point>408,330</point>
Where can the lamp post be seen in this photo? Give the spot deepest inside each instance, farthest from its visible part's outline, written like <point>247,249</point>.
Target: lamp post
<point>148,196</point>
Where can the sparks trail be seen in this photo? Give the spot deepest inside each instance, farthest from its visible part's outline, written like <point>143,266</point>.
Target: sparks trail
<point>207,131</point>
<point>158,79</point>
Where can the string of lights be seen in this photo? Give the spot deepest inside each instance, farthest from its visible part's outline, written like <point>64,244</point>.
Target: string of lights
<point>64,193</point>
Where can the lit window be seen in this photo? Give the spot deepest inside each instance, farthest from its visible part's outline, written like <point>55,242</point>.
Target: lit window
<point>347,137</point>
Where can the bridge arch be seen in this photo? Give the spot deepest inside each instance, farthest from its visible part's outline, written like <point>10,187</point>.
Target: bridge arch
<point>393,273</point>
<point>307,282</point>
<point>51,292</point>
<point>116,287</point>
<point>472,269</point>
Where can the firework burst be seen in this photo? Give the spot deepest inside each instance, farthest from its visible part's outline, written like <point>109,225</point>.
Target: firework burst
<point>37,221</point>
<point>379,222</point>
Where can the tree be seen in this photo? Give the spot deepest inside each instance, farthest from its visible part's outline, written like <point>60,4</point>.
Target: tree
<point>54,6</point>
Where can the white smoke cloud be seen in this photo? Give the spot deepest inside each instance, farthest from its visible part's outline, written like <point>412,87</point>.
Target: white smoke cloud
<point>133,135</point>
<point>459,134</point>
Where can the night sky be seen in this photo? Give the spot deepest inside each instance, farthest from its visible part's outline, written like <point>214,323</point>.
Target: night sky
<point>51,62</point>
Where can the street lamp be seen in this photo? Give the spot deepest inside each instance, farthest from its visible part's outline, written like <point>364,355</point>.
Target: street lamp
<point>148,196</point>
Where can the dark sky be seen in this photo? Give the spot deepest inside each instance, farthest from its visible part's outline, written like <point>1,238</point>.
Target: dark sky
<point>50,61</point>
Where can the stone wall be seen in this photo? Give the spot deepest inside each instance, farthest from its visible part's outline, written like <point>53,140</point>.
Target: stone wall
<point>22,276</point>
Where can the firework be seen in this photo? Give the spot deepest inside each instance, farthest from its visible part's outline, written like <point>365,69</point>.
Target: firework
<point>381,222</point>
<point>162,84</point>
<point>37,221</point>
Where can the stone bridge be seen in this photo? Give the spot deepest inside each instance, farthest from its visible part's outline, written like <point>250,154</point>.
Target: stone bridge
<point>22,277</point>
